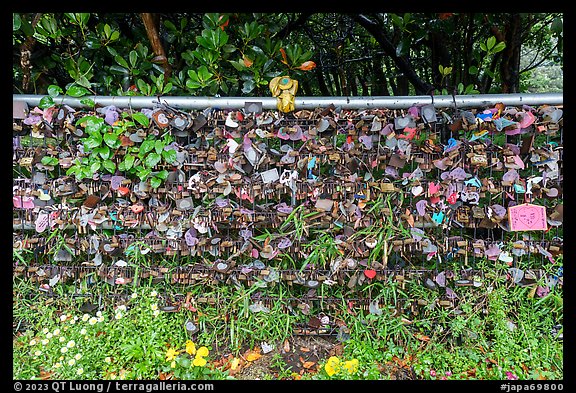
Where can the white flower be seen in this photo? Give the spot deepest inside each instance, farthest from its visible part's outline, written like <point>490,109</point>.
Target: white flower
<point>134,295</point>
<point>38,353</point>
<point>71,362</point>
<point>154,306</point>
<point>118,315</point>
<point>45,341</point>
<point>61,339</point>
<point>63,317</point>
<point>72,321</point>
<point>108,359</point>
<point>64,349</point>
<point>121,308</point>
<point>156,313</point>
<point>79,371</point>
<point>101,318</point>
<point>83,331</point>
<point>92,321</point>
<point>71,344</point>
<point>99,313</point>
<point>78,356</point>
<point>33,342</point>
<point>49,335</point>
<point>58,365</point>
<point>56,332</point>
<point>154,293</point>
<point>85,317</point>
<point>45,330</point>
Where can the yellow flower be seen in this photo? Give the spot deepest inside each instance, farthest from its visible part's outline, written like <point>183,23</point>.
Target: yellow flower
<point>173,364</point>
<point>332,366</point>
<point>351,366</point>
<point>58,365</point>
<point>199,361</point>
<point>171,354</point>
<point>190,347</point>
<point>45,341</point>
<point>45,330</point>
<point>154,293</point>
<point>202,351</point>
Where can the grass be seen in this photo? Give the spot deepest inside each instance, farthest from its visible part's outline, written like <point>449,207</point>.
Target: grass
<point>502,332</point>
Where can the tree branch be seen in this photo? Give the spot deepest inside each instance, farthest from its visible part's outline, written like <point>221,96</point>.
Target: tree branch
<point>286,30</point>
<point>402,62</point>
<point>152,28</point>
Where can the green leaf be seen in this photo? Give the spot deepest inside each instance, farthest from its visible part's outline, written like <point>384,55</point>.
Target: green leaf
<point>27,28</point>
<point>158,146</point>
<point>16,22</point>
<point>46,102</point>
<point>169,155</point>
<point>95,167</point>
<point>143,173</point>
<point>54,90</point>
<point>155,182</point>
<point>49,160</point>
<point>483,47</point>
<point>490,42</point>
<point>146,146</point>
<point>83,81</point>
<point>88,102</point>
<point>473,70</point>
<point>109,165</point>
<point>115,35</point>
<point>112,140</point>
<point>152,160</point>
<point>499,47</point>
<point>168,88</point>
<point>128,161</point>
<point>112,51</point>
<point>119,70</point>
<point>163,174</point>
<point>133,56</point>
<point>120,60</point>
<point>141,118</point>
<point>107,30</point>
<point>92,142</point>
<point>104,152</point>
<point>77,91</point>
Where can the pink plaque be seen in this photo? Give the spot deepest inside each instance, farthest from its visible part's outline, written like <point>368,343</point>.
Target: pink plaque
<point>527,217</point>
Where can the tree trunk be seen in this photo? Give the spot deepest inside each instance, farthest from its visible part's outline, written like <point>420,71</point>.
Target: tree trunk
<point>25,55</point>
<point>510,65</point>
<point>321,82</point>
<point>152,25</point>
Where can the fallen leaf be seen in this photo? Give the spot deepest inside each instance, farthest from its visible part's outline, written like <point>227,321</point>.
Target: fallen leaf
<point>422,337</point>
<point>286,346</point>
<point>305,349</point>
<point>252,355</point>
<point>308,365</point>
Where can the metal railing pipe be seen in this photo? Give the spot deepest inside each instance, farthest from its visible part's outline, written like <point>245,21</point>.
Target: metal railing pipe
<point>269,103</point>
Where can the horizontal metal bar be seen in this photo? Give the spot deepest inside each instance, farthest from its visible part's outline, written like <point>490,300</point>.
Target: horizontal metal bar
<point>269,103</point>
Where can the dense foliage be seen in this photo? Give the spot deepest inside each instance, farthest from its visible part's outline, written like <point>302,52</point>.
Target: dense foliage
<point>239,53</point>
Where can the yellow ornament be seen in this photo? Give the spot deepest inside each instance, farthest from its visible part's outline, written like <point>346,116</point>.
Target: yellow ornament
<point>284,88</point>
